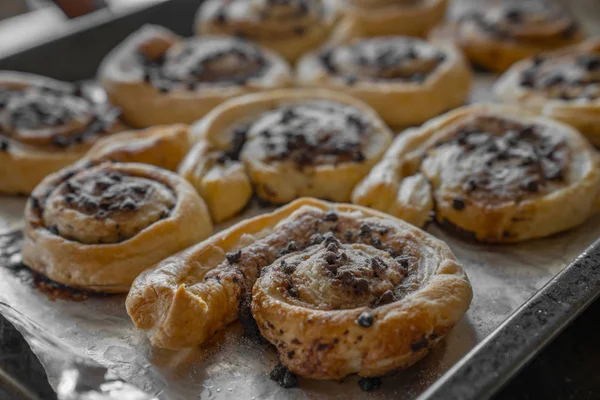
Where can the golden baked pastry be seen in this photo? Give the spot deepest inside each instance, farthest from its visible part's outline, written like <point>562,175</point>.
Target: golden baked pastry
<point>338,288</point>
<point>564,85</point>
<point>288,144</point>
<point>496,173</point>
<point>157,77</point>
<point>97,227</point>
<point>367,18</point>
<point>163,146</point>
<point>46,125</point>
<point>497,37</point>
<point>406,80</point>
<point>290,28</point>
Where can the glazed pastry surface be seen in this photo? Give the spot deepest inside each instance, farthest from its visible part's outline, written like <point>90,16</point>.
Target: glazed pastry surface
<point>157,77</point>
<point>564,85</point>
<point>497,37</point>
<point>495,173</point>
<point>406,80</point>
<point>286,144</point>
<point>338,289</point>
<point>45,125</point>
<point>97,227</point>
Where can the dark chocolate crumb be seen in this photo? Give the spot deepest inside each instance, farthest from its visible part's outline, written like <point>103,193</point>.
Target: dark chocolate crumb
<point>283,376</point>
<point>369,384</point>
<point>331,216</point>
<point>421,344</point>
<point>458,204</point>
<point>365,319</point>
<point>232,258</point>
<point>365,230</point>
<point>291,354</point>
<point>296,341</point>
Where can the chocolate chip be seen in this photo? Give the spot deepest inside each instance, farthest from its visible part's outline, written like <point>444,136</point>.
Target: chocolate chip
<point>283,376</point>
<point>554,80</point>
<point>386,298</point>
<point>369,384</point>
<point>330,238</point>
<point>378,266</point>
<point>330,216</point>
<point>365,230</point>
<point>3,144</point>
<point>376,242</point>
<point>365,319</point>
<point>128,204</point>
<point>589,62</point>
<point>357,122</point>
<point>316,238</point>
<point>291,354</point>
<point>514,16</point>
<point>348,236</point>
<point>330,258</point>
<point>53,229</point>
<point>221,18</point>
<point>458,204</point>
<point>293,291</point>
<point>421,344</point>
<point>232,258</point>
<point>531,186</point>
<point>287,116</point>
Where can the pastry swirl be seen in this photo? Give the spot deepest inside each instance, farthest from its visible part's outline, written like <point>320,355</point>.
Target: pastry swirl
<point>162,146</point>
<point>290,27</point>
<point>98,226</point>
<point>498,37</point>
<point>159,78</point>
<point>496,173</point>
<point>563,85</point>
<point>339,289</point>
<point>44,126</point>
<point>406,80</point>
<point>288,144</point>
<point>368,18</point>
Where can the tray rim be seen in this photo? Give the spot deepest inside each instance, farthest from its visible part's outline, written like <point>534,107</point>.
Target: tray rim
<point>468,378</point>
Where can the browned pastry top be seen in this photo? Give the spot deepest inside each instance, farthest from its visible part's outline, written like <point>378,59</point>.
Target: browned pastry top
<point>536,24</point>
<point>570,76</point>
<point>197,63</point>
<point>389,58</point>
<point>498,159</point>
<point>317,132</point>
<point>266,19</point>
<point>102,204</point>
<point>50,117</point>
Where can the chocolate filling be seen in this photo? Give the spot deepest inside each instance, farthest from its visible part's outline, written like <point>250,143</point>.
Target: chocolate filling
<point>36,108</point>
<point>507,159</point>
<point>567,77</point>
<point>197,65</point>
<point>383,59</point>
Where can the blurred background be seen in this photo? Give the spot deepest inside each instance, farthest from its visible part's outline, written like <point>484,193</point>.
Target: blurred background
<point>25,22</point>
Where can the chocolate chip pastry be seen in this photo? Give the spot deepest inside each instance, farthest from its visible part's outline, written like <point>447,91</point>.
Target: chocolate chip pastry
<point>96,227</point>
<point>287,144</point>
<point>45,125</point>
<point>406,80</point>
<point>564,85</point>
<point>289,27</point>
<point>495,38</point>
<point>157,77</point>
<point>163,146</point>
<point>368,18</point>
<point>337,288</point>
<point>496,173</point>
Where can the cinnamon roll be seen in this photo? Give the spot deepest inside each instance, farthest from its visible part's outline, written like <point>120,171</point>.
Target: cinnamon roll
<point>563,85</point>
<point>496,173</point>
<point>162,146</point>
<point>498,37</point>
<point>97,227</point>
<point>337,288</point>
<point>157,77</point>
<point>367,18</point>
<point>290,27</point>
<point>288,144</point>
<point>406,80</point>
<point>45,125</point>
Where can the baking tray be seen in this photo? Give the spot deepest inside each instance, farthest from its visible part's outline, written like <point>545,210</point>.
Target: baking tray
<point>524,294</point>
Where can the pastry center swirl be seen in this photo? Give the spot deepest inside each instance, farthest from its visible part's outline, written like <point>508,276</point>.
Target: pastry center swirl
<point>311,133</point>
<point>384,59</point>
<point>337,276</point>
<point>217,61</point>
<point>268,19</point>
<point>526,22</point>
<point>566,77</point>
<point>45,116</point>
<point>106,207</point>
<point>496,159</point>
